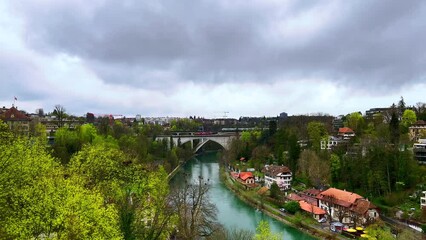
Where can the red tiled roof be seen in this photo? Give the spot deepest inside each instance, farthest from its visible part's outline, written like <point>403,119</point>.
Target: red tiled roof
<point>345,130</point>
<point>361,206</point>
<point>274,170</point>
<point>311,208</point>
<point>311,192</point>
<point>294,197</point>
<point>245,175</point>
<point>343,198</point>
<point>13,114</point>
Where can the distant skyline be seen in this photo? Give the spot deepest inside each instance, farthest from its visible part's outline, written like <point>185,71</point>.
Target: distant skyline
<point>186,58</point>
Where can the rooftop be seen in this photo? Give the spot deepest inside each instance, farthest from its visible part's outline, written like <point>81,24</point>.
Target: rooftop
<point>245,175</point>
<point>341,195</point>
<point>274,170</point>
<point>311,208</point>
<point>345,130</point>
<point>13,114</point>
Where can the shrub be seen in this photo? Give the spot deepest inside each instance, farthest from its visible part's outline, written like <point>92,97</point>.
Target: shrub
<point>292,207</point>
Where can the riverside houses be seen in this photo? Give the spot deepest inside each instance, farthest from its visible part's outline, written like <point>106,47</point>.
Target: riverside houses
<point>281,175</point>
<point>347,207</point>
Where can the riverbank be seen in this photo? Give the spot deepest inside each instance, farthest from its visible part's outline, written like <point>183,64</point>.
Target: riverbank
<point>290,220</point>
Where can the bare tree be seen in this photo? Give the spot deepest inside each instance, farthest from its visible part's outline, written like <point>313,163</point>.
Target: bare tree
<point>355,218</point>
<point>341,213</point>
<point>60,114</point>
<point>333,209</point>
<point>196,213</point>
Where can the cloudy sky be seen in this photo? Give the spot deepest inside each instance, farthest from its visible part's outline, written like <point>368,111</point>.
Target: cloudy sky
<point>201,57</point>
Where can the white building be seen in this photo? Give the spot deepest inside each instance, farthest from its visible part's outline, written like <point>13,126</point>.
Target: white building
<point>423,199</point>
<point>330,143</point>
<point>419,150</point>
<point>281,175</point>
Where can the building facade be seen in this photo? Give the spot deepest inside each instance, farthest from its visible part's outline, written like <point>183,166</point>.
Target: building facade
<point>16,120</point>
<point>281,175</point>
<point>347,207</point>
<point>419,150</point>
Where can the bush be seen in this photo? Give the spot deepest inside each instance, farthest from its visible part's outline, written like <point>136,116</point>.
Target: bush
<point>292,207</point>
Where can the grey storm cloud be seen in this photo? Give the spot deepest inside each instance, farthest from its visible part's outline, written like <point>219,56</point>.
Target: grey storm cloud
<point>376,45</point>
<point>18,76</point>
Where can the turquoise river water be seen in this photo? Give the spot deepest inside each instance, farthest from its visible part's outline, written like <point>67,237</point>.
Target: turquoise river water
<point>232,212</point>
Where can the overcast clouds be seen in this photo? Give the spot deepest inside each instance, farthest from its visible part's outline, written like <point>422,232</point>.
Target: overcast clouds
<point>180,58</point>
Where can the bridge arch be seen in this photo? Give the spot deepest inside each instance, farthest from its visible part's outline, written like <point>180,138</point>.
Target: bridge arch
<point>202,143</point>
<point>223,140</point>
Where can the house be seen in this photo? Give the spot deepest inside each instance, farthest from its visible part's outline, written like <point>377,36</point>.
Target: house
<point>246,177</point>
<point>347,207</point>
<point>330,143</point>
<point>416,130</point>
<point>423,199</point>
<point>310,196</point>
<point>317,212</point>
<point>281,175</point>
<point>16,120</point>
<point>369,114</point>
<point>346,133</point>
<point>419,150</point>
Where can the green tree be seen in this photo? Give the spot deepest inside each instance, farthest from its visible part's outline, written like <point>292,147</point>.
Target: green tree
<point>139,196</point>
<point>394,129</point>
<point>40,131</point>
<point>263,232</point>
<point>99,165</point>
<point>275,191</point>
<point>87,133</point>
<point>401,107</point>
<point>316,132</point>
<point>37,201</point>
<point>154,217</point>
<point>408,117</point>
<point>5,133</point>
<point>292,207</point>
<point>293,153</point>
<point>66,144</point>
<point>335,166</point>
<point>380,231</point>
<point>272,127</point>
<point>184,124</point>
<point>355,121</point>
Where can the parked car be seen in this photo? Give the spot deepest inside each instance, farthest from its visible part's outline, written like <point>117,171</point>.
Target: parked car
<point>322,220</point>
<point>283,210</point>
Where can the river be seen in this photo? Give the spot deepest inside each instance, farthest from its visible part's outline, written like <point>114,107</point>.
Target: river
<point>232,212</point>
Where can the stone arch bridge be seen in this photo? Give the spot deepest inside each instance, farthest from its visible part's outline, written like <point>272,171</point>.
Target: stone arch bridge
<point>223,139</point>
